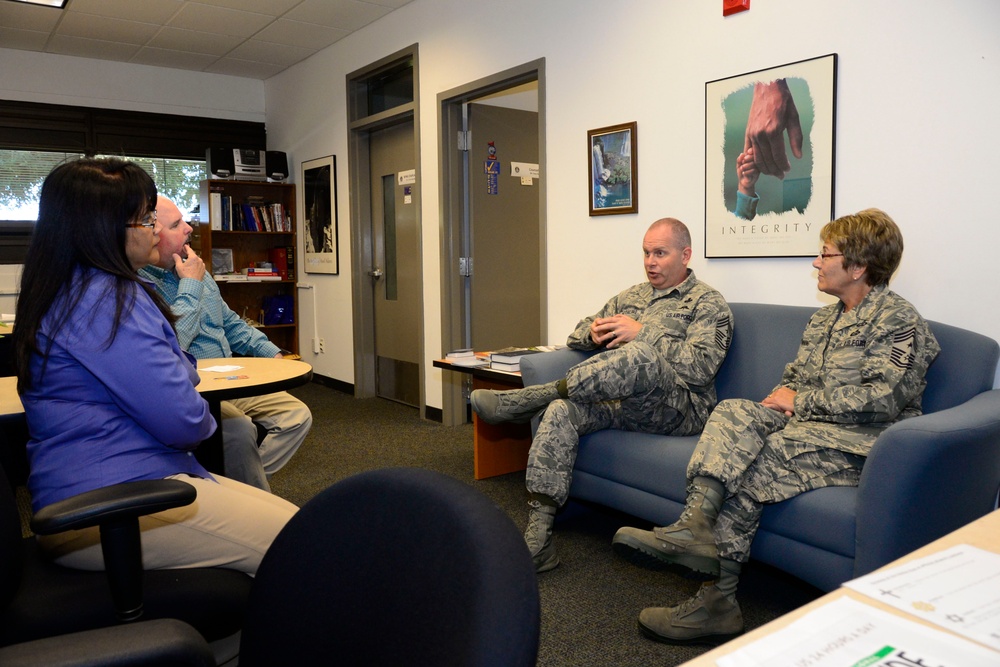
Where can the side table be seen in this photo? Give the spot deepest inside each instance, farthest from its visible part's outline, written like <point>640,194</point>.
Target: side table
<point>497,449</point>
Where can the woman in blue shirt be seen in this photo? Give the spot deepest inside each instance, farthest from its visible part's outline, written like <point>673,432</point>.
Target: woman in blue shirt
<point>108,394</point>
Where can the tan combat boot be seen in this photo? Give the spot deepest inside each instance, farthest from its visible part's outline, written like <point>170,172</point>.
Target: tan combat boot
<point>687,545</point>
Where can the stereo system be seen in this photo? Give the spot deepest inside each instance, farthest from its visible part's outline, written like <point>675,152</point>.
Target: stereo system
<point>246,164</point>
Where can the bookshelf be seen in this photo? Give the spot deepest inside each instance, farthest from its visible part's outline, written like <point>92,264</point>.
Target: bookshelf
<point>226,211</point>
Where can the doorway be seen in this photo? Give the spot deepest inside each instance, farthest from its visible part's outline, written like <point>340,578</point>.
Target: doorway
<point>395,273</point>
<point>387,270</point>
<point>493,225</point>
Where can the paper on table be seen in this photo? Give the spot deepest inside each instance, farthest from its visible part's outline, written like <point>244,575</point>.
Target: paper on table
<point>848,633</point>
<point>220,369</point>
<point>957,589</point>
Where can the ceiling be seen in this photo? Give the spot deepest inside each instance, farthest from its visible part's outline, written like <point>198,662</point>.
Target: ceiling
<point>249,38</point>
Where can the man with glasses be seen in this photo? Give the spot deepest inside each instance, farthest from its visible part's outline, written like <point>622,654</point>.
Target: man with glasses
<point>209,329</point>
<point>859,369</point>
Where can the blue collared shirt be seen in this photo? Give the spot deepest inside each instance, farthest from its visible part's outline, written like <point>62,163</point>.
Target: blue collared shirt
<point>207,327</point>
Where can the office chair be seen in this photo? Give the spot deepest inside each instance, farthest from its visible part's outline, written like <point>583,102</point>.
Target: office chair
<point>398,566</point>
<point>39,599</point>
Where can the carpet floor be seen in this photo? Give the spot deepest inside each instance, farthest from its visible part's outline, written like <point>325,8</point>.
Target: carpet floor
<point>591,601</point>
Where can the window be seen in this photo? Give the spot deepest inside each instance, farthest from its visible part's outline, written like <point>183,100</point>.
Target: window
<point>34,138</point>
<point>22,173</point>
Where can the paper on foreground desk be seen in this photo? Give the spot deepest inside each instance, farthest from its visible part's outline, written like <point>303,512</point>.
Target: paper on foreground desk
<point>954,580</point>
<point>849,633</point>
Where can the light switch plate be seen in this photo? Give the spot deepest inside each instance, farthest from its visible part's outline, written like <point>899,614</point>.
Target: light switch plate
<point>734,6</point>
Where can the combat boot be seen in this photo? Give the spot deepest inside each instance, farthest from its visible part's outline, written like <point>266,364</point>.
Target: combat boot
<point>516,405</point>
<point>687,546</point>
<point>708,618</point>
<point>538,535</point>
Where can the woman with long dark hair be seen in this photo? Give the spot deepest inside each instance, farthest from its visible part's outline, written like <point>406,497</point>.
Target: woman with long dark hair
<point>108,394</point>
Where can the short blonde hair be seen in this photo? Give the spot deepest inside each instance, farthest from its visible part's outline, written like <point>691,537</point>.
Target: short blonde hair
<point>868,238</point>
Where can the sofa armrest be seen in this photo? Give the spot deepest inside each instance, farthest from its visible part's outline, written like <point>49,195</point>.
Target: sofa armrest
<point>550,366</point>
<point>926,477</point>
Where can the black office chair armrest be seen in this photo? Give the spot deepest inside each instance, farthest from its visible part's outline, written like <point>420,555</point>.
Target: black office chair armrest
<point>116,509</point>
<point>161,642</point>
<point>127,500</point>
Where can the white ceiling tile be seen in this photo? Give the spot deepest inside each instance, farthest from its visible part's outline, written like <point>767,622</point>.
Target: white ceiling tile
<point>145,11</point>
<point>209,43</point>
<point>266,52</point>
<point>26,17</point>
<point>269,7</point>
<point>345,14</point>
<point>91,48</point>
<point>187,33</point>
<point>176,59</point>
<point>393,4</point>
<point>26,40</point>
<point>113,30</point>
<point>307,35</point>
<point>245,68</point>
<point>224,21</point>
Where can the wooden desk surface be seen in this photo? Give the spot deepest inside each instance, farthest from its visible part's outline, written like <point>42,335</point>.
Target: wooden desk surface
<point>512,378</point>
<point>10,402</point>
<point>983,533</point>
<point>254,372</point>
<point>276,374</point>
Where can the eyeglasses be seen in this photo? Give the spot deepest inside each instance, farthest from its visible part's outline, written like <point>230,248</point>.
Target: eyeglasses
<point>825,255</point>
<point>148,221</point>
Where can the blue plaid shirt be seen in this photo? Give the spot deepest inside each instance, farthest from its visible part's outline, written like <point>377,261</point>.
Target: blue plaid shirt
<point>207,327</point>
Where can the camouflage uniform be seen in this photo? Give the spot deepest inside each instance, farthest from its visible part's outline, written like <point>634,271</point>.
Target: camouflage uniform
<point>855,374</point>
<point>660,382</point>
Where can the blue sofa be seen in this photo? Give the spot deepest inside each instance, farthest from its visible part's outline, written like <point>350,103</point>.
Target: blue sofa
<point>925,476</point>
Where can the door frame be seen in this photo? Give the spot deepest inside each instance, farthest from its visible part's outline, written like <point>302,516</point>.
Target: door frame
<point>360,127</point>
<point>454,215</point>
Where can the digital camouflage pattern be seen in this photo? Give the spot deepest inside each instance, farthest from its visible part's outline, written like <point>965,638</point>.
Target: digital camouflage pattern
<point>855,374</point>
<point>661,382</point>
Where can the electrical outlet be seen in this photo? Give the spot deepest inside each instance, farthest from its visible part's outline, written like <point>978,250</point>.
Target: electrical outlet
<point>316,346</point>
<point>322,346</point>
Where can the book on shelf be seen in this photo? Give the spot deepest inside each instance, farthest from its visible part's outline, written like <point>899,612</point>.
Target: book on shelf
<point>509,355</point>
<point>279,260</point>
<point>464,353</point>
<point>215,210</point>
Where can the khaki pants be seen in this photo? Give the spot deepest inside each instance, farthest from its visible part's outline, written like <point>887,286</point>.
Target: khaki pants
<point>229,525</point>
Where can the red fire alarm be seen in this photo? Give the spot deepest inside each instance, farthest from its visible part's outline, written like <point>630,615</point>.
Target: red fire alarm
<point>734,6</point>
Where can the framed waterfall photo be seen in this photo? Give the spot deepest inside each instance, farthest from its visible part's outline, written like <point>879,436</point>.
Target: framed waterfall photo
<point>613,173</point>
<point>319,202</point>
<point>769,159</point>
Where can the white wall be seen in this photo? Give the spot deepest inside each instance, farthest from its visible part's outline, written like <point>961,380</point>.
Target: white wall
<point>28,76</point>
<point>918,88</point>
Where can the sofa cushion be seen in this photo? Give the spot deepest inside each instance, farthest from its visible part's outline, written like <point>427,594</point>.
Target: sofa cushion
<point>644,461</point>
<point>823,518</point>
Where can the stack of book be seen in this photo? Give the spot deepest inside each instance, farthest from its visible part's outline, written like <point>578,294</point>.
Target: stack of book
<point>465,357</point>
<point>509,359</point>
<point>255,274</point>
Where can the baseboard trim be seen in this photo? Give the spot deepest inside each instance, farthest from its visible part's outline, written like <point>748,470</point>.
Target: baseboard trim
<point>430,413</point>
<point>339,385</point>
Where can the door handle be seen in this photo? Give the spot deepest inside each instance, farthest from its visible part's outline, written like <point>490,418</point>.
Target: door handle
<point>375,273</point>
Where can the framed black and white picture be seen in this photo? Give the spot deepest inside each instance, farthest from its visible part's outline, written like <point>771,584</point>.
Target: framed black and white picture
<point>319,201</point>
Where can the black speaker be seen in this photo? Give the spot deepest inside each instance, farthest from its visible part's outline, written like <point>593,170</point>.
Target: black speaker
<point>220,162</point>
<point>277,165</point>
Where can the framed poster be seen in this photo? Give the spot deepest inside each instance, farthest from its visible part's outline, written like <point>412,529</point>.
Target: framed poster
<point>613,174</point>
<point>769,160</point>
<point>319,199</point>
